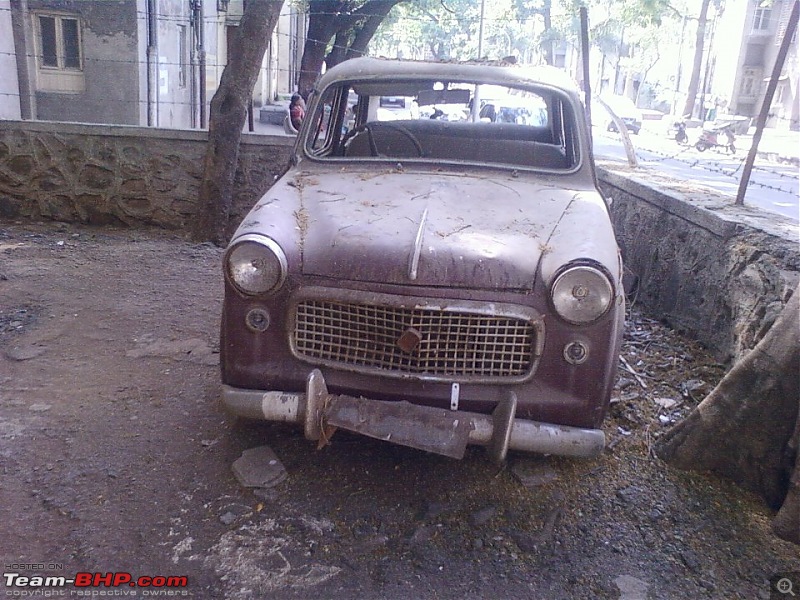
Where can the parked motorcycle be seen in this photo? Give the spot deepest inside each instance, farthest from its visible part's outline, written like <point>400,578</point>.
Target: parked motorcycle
<point>710,139</point>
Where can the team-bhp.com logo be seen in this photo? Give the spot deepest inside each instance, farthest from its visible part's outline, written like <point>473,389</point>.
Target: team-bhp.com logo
<point>94,584</point>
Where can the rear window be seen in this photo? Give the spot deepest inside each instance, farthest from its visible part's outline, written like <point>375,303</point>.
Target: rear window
<point>435,121</point>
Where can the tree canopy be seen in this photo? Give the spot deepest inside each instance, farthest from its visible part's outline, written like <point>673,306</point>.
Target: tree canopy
<point>448,29</point>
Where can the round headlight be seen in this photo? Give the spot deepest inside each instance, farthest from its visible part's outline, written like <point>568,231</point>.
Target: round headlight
<point>582,294</point>
<point>256,265</point>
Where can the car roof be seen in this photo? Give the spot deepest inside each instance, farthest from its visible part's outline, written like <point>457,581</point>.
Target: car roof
<point>498,73</point>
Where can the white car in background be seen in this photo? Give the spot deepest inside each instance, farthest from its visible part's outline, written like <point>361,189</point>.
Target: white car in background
<point>626,110</point>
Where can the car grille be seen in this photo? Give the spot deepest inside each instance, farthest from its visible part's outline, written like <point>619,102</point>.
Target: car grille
<point>449,343</point>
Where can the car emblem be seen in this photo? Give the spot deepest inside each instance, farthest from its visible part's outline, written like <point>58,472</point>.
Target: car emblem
<point>409,340</point>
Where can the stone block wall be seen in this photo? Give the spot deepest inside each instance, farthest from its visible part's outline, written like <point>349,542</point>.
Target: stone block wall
<point>100,174</point>
<point>719,273</point>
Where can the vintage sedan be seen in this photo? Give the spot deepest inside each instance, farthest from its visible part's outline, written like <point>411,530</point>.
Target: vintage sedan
<point>430,282</point>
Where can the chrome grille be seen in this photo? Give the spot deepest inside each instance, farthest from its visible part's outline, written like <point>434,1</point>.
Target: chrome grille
<point>452,343</point>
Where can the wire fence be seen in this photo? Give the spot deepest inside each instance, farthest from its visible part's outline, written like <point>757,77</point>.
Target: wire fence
<point>713,166</point>
<point>446,18</point>
<point>220,19</point>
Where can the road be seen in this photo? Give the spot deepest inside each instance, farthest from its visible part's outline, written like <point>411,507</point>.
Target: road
<point>773,186</point>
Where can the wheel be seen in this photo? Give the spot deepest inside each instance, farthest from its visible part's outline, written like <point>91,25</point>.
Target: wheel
<point>701,147</point>
<point>681,138</point>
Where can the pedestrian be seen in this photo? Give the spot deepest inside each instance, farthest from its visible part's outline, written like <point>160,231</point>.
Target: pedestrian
<point>297,111</point>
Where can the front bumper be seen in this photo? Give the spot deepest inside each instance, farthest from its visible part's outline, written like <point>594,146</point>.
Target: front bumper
<point>432,429</point>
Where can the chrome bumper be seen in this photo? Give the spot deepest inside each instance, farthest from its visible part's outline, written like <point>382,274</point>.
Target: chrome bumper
<point>432,429</point>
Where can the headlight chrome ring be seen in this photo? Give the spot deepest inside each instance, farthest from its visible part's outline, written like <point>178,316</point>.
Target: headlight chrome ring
<point>582,294</point>
<point>256,265</point>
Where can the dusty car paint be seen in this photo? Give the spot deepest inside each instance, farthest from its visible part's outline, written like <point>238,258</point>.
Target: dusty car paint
<point>346,224</point>
<point>423,245</point>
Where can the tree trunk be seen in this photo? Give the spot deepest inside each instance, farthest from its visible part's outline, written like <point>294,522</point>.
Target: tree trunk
<point>644,78</point>
<point>338,52</point>
<point>321,27</point>
<point>624,135</point>
<point>746,429</point>
<point>228,113</point>
<point>364,35</point>
<point>787,522</point>
<point>694,80</point>
<point>547,46</point>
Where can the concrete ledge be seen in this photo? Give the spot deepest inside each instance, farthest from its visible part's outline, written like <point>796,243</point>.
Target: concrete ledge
<point>129,131</point>
<point>670,202</point>
<point>273,114</point>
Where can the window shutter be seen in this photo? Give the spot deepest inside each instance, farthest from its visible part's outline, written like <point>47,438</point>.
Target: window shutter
<point>783,22</point>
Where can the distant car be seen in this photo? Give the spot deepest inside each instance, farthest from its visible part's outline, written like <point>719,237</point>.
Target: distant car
<point>429,282</point>
<point>515,109</point>
<point>626,110</point>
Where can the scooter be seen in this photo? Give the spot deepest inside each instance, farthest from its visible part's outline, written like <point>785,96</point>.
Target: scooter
<point>709,139</point>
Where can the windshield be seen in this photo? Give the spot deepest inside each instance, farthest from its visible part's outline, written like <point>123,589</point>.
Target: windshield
<point>435,121</point>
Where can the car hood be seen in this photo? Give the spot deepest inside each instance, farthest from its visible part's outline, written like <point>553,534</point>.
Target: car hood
<point>427,229</point>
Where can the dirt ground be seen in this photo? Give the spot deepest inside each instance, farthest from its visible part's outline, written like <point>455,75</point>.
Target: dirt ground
<point>115,457</point>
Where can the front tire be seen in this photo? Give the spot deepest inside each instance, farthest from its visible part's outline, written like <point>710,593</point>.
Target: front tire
<point>701,147</point>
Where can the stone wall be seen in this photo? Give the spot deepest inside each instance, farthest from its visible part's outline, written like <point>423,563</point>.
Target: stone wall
<point>132,176</point>
<point>718,273</point>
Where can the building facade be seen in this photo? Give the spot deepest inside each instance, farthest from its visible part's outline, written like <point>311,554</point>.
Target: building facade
<point>9,81</point>
<point>749,34</point>
<point>129,62</point>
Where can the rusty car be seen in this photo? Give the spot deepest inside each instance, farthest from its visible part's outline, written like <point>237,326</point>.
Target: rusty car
<point>432,282</point>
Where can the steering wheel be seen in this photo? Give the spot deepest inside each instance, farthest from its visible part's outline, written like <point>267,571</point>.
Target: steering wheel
<point>405,132</point>
<point>365,129</point>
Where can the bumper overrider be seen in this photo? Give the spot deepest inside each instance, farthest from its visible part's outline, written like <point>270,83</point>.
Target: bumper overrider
<point>436,430</point>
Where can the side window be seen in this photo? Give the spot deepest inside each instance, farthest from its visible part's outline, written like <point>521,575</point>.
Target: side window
<point>331,122</point>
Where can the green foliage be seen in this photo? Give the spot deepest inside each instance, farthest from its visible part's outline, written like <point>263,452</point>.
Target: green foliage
<point>448,29</point>
<point>441,28</point>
